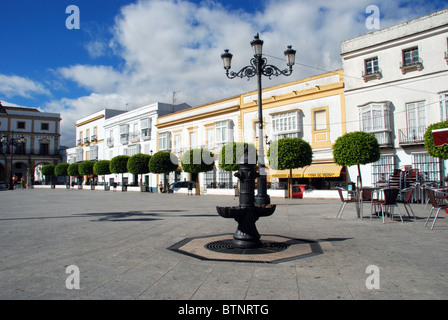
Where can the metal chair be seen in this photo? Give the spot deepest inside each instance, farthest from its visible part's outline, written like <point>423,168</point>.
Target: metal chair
<point>435,205</point>
<point>389,200</point>
<point>344,202</point>
<point>408,192</point>
<point>365,196</point>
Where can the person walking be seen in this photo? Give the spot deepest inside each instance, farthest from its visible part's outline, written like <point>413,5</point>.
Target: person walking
<point>161,187</point>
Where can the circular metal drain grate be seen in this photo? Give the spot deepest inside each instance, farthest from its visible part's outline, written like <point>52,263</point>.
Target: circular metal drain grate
<point>226,246</point>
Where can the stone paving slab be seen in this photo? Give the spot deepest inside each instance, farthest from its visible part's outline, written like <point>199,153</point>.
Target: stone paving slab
<point>120,242</point>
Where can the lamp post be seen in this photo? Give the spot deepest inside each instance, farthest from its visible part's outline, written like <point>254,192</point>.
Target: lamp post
<point>258,67</point>
<point>12,142</point>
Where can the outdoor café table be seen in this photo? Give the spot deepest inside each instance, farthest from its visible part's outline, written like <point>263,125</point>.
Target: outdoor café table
<point>366,194</point>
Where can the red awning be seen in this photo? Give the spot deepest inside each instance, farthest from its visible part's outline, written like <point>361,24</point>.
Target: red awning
<point>440,137</point>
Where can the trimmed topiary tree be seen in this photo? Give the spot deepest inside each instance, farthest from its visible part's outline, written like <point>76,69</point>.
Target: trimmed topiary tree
<point>48,172</point>
<point>86,168</point>
<point>289,153</point>
<point>163,162</point>
<point>196,161</point>
<point>72,170</point>
<point>232,152</point>
<point>101,168</point>
<point>139,164</point>
<point>436,152</point>
<point>440,152</point>
<point>119,164</point>
<point>61,170</point>
<point>356,148</point>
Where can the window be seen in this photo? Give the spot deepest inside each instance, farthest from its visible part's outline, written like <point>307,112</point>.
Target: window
<point>21,125</point>
<point>444,106</point>
<point>320,127</point>
<point>415,124</point>
<point>371,66</point>
<point>44,126</point>
<point>165,141</point>
<point>86,139</point>
<point>79,155</point>
<point>132,150</point>
<point>284,125</point>
<point>224,132</point>
<point>20,148</point>
<point>192,139</point>
<point>110,139</point>
<point>382,169</point>
<point>427,165</point>
<point>177,146</point>
<point>416,115</point>
<point>210,139</point>
<point>371,70</point>
<point>146,128</point>
<point>44,148</point>
<point>93,153</point>
<point>375,118</point>
<point>320,120</point>
<point>410,57</point>
<point>124,134</point>
<point>224,179</point>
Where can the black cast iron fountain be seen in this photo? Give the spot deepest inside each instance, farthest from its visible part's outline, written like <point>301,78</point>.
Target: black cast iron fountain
<point>247,213</point>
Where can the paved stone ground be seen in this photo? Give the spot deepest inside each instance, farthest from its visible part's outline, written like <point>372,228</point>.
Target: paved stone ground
<point>120,240</point>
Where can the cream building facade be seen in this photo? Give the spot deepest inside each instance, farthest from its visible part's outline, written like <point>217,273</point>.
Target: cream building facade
<point>40,146</point>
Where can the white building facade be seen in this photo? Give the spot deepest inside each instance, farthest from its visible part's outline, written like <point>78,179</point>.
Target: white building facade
<point>134,132</point>
<point>396,84</point>
<point>90,136</point>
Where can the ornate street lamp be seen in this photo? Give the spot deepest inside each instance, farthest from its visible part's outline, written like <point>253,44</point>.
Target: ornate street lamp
<point>12,142</point>
<point>258,67</point>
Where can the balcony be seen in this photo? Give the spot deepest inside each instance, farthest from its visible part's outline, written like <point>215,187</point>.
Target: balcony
<point>110,142</point>
<point>79,142</point>
<point>384,138</point>
<point>146,134</point>
<point>124,138</point>
<point>134,137</point>
<point>411,136</point>
<point>376,75</point>
<point>416,65</point>
<point>86,140</point>
<point>93,138</point>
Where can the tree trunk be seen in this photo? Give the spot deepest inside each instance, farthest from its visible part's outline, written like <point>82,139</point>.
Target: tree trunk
<point>359,180</point>
<point>289,184</point>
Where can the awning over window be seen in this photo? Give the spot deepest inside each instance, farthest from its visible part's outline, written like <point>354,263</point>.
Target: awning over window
<point>317,170</point>
<point>440,137</point>
<point>296,173</point>
<point>323,170</point>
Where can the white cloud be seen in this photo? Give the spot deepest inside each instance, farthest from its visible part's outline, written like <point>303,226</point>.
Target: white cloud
<point>15,86</point>
<point>175,45</point>
<point>102,79</point>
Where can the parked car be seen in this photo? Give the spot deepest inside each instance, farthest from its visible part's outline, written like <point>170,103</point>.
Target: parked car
<point>181,184</point>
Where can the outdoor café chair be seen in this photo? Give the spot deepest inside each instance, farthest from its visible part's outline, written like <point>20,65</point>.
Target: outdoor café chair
<point>344,202</point>
<point>407,200</point>
<point>435,205</point>
<point>365,196</point>
<point>388,200</point>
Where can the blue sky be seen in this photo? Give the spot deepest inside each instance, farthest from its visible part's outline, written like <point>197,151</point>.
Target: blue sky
<point>127,54</point>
